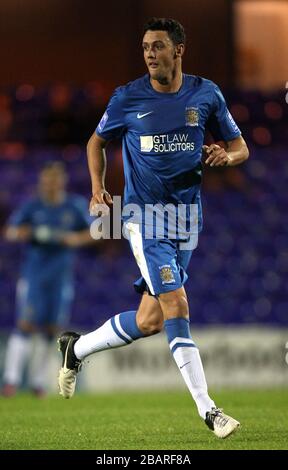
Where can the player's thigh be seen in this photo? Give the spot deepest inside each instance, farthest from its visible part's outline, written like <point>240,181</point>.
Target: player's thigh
<point>156,259</point>
<point>149,315</point>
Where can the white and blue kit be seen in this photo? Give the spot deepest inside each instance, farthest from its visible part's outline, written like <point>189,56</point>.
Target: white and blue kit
<point>45,288</point>
<point>162,137</point>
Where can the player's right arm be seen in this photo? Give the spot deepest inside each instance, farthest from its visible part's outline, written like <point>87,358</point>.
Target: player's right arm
<point>22,233</point>
<point>19,227</point>
<point>111,126</point>
<point>97,168</point>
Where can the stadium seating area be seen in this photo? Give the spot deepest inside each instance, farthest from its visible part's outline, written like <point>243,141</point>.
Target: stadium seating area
<point>237,274</point>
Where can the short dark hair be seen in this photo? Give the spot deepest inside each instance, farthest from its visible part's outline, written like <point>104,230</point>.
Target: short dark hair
<point>174,29</point>
<point>54,165</point>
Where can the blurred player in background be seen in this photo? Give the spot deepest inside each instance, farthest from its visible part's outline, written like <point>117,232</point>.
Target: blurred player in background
<point>52,225</point>
<point>162,118</point>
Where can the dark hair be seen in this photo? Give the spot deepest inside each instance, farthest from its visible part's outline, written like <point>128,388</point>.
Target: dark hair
<point>174,29</point>
<point>53,165</point>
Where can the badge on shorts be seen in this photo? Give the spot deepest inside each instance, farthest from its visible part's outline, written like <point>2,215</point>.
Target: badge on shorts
<point>192,116</point>
<point>166,274</point>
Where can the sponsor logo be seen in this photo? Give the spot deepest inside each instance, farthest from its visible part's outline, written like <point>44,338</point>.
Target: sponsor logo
<point>142,115</point>
<point>186,363</point>
<point>192,116</point>
<point>165,143</point>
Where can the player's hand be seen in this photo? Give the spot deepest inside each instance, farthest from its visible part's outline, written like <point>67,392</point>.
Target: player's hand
<point>70,239</point>
<point>99,203</point>
<point>217,156</point>
<point>19,234</point>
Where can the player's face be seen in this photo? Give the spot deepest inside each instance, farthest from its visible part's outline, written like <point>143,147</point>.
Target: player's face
<point>52,181</point>
<point>160,55</point>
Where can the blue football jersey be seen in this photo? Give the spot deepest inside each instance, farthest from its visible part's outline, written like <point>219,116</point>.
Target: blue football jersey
<point>162,137</point>
<point>46,256</point>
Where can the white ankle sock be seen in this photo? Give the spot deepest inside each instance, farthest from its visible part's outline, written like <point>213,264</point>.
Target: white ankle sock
<point>188,360</point>
<point>18,350</point>
<point>189,363</point>
<point>40,362</point>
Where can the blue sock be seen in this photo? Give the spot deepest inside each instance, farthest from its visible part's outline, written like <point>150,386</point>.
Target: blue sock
<point>178,333</point>
<point>127,321</point>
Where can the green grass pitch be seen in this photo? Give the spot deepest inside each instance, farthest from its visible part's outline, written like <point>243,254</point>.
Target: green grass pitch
<point>150,420</point>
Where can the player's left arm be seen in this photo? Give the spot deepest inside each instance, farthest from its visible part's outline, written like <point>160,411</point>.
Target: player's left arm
<point>79,235</point>
<point>231,153</point>
<point>76,239</point>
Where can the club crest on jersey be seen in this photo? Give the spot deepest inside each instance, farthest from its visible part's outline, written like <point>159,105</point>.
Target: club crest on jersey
<point>166,274</point>
<point>192,116</point>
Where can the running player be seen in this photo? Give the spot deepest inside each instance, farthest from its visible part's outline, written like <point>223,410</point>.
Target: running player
<point>161,118</point>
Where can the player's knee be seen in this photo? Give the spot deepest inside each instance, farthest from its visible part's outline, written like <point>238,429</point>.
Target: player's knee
<point>26,327</point>
<point>174,304</point>
<point>150,326</point>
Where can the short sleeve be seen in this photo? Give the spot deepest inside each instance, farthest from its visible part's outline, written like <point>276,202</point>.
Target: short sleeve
<point>112,123</point>
<point>221,123</point>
